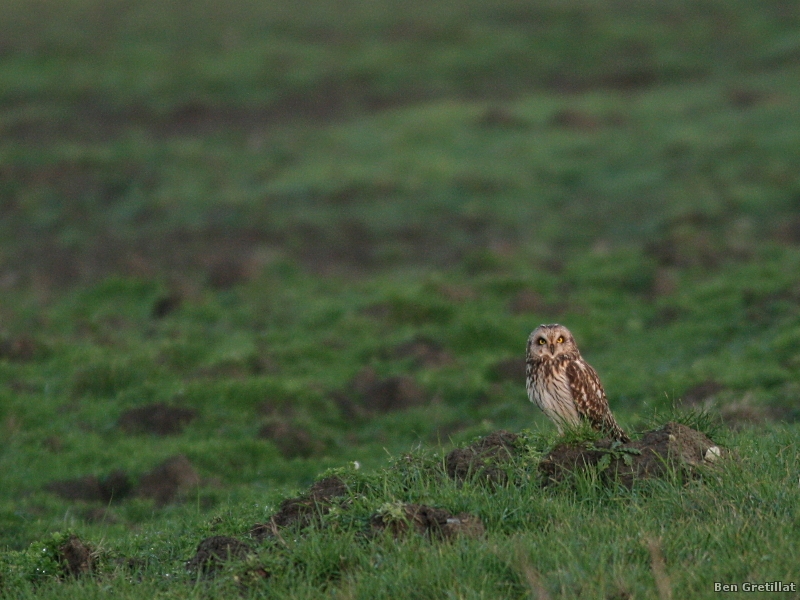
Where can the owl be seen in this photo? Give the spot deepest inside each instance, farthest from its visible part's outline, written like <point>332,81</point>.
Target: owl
<point>564,385</point>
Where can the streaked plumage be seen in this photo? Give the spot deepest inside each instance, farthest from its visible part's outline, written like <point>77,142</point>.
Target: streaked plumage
<point>565,386</point>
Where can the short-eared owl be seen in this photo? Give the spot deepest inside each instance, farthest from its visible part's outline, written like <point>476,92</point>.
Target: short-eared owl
<point>564,385</point>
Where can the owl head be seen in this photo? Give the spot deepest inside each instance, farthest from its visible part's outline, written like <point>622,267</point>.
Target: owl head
<point>550,341</point>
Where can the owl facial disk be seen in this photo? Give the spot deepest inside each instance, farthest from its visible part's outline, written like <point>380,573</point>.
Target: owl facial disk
<point>548,341</point>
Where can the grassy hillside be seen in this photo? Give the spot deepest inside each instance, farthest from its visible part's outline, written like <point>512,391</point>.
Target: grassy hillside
<point>242,245</point>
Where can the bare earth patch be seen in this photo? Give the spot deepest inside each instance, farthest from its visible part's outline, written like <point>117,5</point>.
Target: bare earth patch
<point>169,480</point>
<point>424,353</point>
<point>113,487</point>
<point>485,460</point>
<point>672,448</point>
<point>215,550</point>
<point>157,418</point>
<point>508,369</point>
<point>368,394</point>
<point>302,510</point>
<point>291,440</point>
<point>164,484</point>
<point>76,557</point>
<point>436,523</point>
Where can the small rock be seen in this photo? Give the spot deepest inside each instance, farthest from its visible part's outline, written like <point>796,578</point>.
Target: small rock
<point>712,454</point>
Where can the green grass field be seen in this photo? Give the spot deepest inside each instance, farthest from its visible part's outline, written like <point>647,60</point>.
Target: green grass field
<point>278,240</point>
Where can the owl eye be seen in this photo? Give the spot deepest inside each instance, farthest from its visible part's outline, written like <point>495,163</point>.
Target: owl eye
<point>542,341</point>
<point>560,340</point>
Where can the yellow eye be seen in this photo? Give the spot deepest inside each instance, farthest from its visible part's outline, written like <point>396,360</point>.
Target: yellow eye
<point>542,342</point>
<point>560,340</point>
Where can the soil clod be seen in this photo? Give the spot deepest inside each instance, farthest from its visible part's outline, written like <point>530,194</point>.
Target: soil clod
<point>113,487</point>
<point>672,448</point>
<point>424,353</point>
<point>370,394</point>
<point>509,369</point>
<point>303,510</point>
<point>484,460</point>
<point>20,349</point>
<point>76,557</point>
<point>157,418</point>
<point>166,482</point>
<point>215,550</point>
<point>291,440</point>
<point>436,523</point>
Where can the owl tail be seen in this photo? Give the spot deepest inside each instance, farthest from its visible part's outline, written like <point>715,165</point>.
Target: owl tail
<point>611,427</point>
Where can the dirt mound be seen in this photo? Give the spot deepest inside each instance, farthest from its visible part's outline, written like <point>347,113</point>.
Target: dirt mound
<point>113,487</point>
<point>168,480</point>
<point>484,460</point>
<point>673,447</point>
<point>21,349</point>
<point>509,369</point>
<point>303,510</point>
<point>215,550</point>
<point>164,484</point>
<point>157,418</point>
<point>436,523</point>
<point>76,557</point>
<point>165,305</point>
<point>526,302</point>
<point>702,391</point>
<point>291,440</point>
<point>424,353</point>
<point>369,394</point>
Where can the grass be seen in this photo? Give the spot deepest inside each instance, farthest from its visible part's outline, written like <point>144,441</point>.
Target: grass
<point>266,216</point>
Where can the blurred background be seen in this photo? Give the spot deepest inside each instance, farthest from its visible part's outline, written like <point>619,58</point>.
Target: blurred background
<point>274,237</point>
<point>195,140</point>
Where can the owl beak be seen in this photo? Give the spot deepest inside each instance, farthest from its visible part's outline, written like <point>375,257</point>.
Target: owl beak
<point>552,348</point>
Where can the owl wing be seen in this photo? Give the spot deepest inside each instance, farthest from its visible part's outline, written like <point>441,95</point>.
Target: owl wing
<point>590,398</point>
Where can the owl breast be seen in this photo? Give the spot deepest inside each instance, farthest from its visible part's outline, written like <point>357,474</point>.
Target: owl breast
<point>549,389</point>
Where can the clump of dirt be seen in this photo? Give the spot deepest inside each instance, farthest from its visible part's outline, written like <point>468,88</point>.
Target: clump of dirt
<point>157,418</point>
<point>424,353</point>
<point>702,391</point>
<point>696,239</point>
<point>528,301</point>
<point>113,487</point>
<point>291,440</point>
<point>20,349</point>
<point>508,369</point>
<point>165,305</point>
<point>672,448</point>
<point>303,510</point>
<point>436,523</point>
<point>665,283</point>
<point>568,118</point>
<point>744,413</point>
<point>369,394</point>
<point>487,460</point>
<point>213,551</point>
<point>167,481</point>
<point>99,514</point>
<point>76,557</point>
<point>499,117</point>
